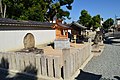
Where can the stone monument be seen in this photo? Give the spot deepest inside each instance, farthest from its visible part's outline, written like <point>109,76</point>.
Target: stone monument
<point>29,45</point>
<point>29,41</point>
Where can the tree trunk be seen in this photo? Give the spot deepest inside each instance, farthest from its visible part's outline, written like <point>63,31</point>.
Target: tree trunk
<point>4,10</point>
<point>1,11</point>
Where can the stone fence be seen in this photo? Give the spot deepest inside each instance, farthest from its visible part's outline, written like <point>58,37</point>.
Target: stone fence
<point>47,66</point>
<point>43,65</point>
<point>74,59</point>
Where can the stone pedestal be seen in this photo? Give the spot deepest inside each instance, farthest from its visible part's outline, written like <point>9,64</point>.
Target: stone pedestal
<point>61,44</point>
<point>101,43</point>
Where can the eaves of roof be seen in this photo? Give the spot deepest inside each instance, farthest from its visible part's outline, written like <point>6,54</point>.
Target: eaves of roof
<point>77,25</point>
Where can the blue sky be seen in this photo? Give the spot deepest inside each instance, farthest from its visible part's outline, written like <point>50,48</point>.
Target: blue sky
<point>106,8</point>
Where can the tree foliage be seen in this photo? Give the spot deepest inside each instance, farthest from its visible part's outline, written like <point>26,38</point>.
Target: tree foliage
<point>108,23</point>
<point>38,10</point>
<point>87,20</point>
<point>96,21</point>
<point>55,9</point>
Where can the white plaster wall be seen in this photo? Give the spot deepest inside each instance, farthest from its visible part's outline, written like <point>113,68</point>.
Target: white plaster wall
<point>118,22</point>
<point>12,40</point>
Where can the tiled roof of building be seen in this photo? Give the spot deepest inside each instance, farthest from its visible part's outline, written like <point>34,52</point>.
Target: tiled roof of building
<point>77,25</point>
<point>63,26</point>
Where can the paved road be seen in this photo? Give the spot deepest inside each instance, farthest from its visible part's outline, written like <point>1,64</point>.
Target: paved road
<point>108,64</point>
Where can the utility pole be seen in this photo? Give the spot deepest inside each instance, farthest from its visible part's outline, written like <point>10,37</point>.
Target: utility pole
<point>115,24</point>
<point>115,20</point>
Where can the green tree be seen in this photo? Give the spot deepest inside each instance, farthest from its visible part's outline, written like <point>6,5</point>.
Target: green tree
<point>85,19</point>
<point>91,24</point>
<point>38,10</point>
<point>108,23</point>
<point>25,9</point>
<point>96,21</point>
<point>55,9</point>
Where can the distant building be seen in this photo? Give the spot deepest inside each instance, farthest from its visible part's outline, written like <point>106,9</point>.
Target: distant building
<point>118,21</point>
<point>77,30</point>
<point>117,24</point>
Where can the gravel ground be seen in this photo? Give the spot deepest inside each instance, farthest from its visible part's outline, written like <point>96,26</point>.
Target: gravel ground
<point>107,64</point>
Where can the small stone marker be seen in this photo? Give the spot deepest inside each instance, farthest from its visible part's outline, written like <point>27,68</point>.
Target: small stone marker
<point>29,41</point>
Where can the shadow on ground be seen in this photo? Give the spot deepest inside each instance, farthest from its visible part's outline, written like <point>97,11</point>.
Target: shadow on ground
<point>30,70</point>
<point>51,44</point>
<point>117,77</point>
<point>91,76</point>
<point>87,76</point>
<point>4,64</point>
<point>4,74</point>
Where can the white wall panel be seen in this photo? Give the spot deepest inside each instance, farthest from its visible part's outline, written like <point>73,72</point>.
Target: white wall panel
<point>12,40</point>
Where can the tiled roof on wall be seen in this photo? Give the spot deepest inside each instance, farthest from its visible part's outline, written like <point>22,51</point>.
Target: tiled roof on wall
<point>11,22</point>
